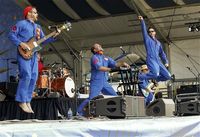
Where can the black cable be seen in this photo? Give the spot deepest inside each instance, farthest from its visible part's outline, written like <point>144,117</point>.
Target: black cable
<point>170,27</point>
<point>191,59</point>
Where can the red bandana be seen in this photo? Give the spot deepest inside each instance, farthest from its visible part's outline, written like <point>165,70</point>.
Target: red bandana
<point>26,10</point>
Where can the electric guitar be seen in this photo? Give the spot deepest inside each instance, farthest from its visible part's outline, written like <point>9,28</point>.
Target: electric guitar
<point>34,46</point>
<point>150,86</point>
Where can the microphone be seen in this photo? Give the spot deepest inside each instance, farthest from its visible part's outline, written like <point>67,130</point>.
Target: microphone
<point>188,68</point>
<point>123,51</point>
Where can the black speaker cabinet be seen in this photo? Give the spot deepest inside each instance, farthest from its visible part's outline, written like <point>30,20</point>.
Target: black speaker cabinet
<point>187,104</point>
<point>9,88</point>
<point>161,107</point>
<point>120,107</point>
<point>188,108</point>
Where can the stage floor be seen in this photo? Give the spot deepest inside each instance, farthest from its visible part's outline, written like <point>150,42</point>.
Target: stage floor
<point>102,127</point>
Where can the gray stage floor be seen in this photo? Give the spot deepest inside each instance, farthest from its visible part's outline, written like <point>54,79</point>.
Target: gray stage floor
<point>102,127</point>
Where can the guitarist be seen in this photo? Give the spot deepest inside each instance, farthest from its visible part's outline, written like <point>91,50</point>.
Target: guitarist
<point>21,33</point>
<point>145,86</point>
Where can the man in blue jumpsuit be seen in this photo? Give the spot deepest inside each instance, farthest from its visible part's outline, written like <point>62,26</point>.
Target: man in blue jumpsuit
<point>145,85</point>
<point>20,33</point>
<point>100,66</point>
<point>155,53</point>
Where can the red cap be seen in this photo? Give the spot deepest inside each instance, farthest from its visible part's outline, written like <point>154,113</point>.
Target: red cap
<point>26,10</point>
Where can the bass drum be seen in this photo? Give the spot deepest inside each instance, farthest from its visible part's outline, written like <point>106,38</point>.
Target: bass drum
<point>69,87</point>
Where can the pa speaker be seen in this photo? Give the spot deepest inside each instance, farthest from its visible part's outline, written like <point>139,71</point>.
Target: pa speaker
<point>161,107</point>
<point>120,107</point>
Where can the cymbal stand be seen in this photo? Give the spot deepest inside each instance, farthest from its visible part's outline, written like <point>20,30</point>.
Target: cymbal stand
<point>49,81</point>
<point>76,96</point>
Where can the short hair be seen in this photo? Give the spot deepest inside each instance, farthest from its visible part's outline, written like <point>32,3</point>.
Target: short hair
<point>92,50</point>
<point>150,28</point>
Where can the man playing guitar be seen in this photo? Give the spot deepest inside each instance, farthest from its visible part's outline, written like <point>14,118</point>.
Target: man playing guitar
<point>145,86</point>
<point>20,35</point>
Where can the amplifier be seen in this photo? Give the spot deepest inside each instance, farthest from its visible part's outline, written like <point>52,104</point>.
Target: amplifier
<point>187,89</point>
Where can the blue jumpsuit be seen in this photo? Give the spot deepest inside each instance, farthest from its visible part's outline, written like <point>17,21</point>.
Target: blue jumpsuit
<point>23,31</point>
<point>98,82</point>
<point>154,52</point>
<point>142,86</point>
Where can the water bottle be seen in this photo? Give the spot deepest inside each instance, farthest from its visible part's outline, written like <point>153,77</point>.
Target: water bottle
<point>69,114</point>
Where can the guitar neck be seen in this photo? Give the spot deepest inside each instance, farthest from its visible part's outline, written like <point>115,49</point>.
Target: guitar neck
<point>46,37</point>
<point>65,26</point>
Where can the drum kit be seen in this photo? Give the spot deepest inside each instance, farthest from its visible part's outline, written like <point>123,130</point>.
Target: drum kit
<point>56,80</point>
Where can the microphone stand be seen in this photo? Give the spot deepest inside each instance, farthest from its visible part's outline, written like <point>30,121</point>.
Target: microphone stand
<point>196,78</point>
<point>198,87</point>
<point>80,60</point>
<point>192,61</point>
<point>192,72</point>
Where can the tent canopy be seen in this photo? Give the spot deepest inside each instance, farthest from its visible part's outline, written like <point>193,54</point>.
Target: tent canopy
<point>114,23</point>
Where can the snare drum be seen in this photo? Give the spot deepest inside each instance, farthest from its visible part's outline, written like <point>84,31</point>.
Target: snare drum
<point>42,81</point>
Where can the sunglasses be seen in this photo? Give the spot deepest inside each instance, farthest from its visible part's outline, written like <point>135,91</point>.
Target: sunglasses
<point>144,69</point>
<point>34,12</point>
<point>151,31</point>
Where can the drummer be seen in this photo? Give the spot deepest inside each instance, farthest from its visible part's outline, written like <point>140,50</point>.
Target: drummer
<point>66,72</point>
<point>40,63</point>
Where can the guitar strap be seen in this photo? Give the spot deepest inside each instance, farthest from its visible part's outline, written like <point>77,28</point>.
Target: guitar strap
<point>36,32</point>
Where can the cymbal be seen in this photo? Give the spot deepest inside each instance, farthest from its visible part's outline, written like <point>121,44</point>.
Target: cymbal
<point>129,58</point>
<point>2,70</point>
<point>54,64</point>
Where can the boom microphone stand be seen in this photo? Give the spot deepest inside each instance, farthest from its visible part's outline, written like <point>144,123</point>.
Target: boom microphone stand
<point>72,52</point>
<point>194,63</point>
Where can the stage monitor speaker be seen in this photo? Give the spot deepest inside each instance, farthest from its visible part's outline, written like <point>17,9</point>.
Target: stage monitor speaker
<point>161,107</point>
<point>120,107</point>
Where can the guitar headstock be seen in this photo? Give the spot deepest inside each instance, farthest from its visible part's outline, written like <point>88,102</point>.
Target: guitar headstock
<point>67,26</point>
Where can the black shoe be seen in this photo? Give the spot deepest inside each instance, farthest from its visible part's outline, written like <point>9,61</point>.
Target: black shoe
<point>172,77</point>
<point>155,82</point>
